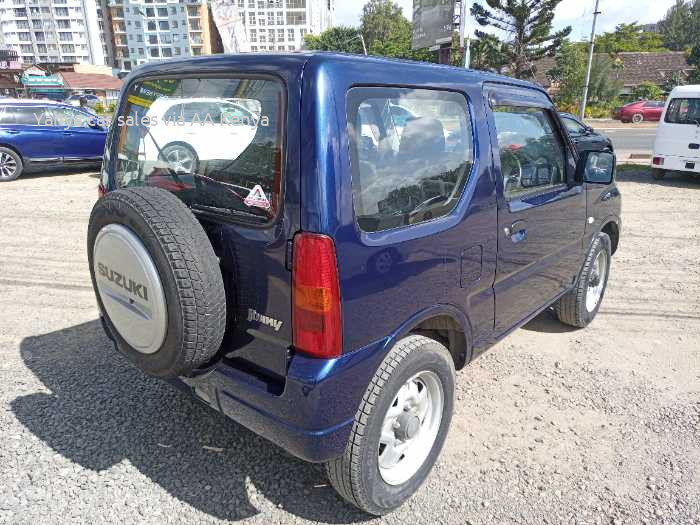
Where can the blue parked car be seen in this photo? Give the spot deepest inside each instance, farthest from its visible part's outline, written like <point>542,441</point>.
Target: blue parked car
<point>37,134</point>
<point>321,278</point>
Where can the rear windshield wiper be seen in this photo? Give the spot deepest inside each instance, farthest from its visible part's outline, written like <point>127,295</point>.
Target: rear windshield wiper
<point>214,210</point>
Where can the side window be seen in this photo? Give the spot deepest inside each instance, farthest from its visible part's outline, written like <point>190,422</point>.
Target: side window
<point>26,116</point>
<point>573,126</point>
<point>533,157</point>
<point>67,118</point>
<point>413,170</point>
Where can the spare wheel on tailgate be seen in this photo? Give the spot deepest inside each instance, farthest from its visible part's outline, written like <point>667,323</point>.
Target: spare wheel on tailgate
<point>157,280</point>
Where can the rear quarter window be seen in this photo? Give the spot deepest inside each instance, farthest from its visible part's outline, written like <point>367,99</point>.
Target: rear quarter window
<point>217,143</point>
<point>683,111</point>
<point>411,152</point>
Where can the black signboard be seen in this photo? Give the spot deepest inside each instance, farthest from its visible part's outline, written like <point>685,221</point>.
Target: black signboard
<point>433,22</point>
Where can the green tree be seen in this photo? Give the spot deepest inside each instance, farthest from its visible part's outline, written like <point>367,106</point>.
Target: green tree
<point>388,33</point>
<point>569,75</point>
<point>676,29</point>
<point>530,24</point>
<point>629,37</point>
<point>647,91</point>
<point>673,81</point>
<point>694,60</point>
<point>486,53</point>
<point>340,38</point>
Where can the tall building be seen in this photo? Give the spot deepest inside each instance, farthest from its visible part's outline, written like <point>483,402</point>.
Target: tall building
<point>52,30</point>
<point>280,25</point>
<point>147,30</point>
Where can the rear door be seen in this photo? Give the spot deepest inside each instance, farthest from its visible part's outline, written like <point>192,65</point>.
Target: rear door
<point>245,194</point>
<point>542,209</point>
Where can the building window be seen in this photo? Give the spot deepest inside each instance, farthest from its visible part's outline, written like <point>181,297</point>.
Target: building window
<point>151,26</point>
<point>290,35</point>
<point>192,10</point>
<point>296,4</point>
<point>296,18</point>
<point>150,12</point>
<point>67,48</point>
<point>152,39</point>
<point>26,48</point>
<point>137,24</point>
<point>155,52</point>
<point>195,24</point>
<point>173,10</point>
<point>167,52</point>
<point>141,52</point>
<point>61,11</point>
<point>280,19</point>
<point>196,51</point>
<point>173,24</point>
<point>40,37</point>
<point>163,25</point>
<point>251,19</point>
<point>162,11</point>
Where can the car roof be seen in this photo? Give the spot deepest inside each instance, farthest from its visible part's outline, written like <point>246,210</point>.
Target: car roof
<point>29,101</point>
<point>274,62</point>
<point>688,91</point>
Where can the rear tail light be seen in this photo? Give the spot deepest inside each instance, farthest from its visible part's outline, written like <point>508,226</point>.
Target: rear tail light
<point>315,296</point>
<point>100,190</point>
<point>658,161</point>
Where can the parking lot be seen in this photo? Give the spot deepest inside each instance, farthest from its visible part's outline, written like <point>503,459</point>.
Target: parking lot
<point>553,425</point>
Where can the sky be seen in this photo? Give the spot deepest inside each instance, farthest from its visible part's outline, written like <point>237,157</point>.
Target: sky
<point>576,13</point>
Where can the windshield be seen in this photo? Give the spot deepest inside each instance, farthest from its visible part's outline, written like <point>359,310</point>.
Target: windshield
<point>684,111</point>
<point>214,142</point>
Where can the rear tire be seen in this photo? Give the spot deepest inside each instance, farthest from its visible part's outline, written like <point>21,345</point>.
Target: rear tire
<point>11,165</point>
<point>579,307</point>
<point>657,174</point>
<point>394,443</point>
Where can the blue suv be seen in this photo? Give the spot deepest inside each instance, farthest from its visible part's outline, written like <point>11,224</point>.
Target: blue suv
<point>352,232</point>
<point>38,134</point>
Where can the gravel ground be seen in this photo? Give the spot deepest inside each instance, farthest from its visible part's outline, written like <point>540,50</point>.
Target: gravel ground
<point>553,425</point>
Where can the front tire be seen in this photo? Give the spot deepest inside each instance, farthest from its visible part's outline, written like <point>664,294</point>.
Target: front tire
<point>11,165</point>
<point>637,118</point>
<point>579,307</point>
<point>400,427</point>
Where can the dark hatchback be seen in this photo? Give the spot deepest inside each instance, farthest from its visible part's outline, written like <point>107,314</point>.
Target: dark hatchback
<point>36,134</point>
<point>584,136</point>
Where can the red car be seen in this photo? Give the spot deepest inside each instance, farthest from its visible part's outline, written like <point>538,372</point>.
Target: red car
<point>649,110</point>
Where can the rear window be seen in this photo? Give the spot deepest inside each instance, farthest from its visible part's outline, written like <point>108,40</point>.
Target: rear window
<point>684,111</point>
<point>411,152</point>
<point>214,142</point>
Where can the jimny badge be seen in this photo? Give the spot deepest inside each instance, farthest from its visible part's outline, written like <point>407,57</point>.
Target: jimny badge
<point>257,198</point>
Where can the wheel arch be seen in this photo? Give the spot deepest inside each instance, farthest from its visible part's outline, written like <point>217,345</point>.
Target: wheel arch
<point>13,148</point>
<point>612,228</point>
<point>445,324</point>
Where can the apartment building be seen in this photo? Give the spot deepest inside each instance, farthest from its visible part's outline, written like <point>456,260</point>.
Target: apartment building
<point>280,25</point>
<point>52,31</point>
<point>147,30</point>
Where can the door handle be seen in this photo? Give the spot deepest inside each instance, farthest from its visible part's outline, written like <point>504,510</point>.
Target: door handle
<point>517,232</point>
<point>67,133</point>
<point>12,132</point>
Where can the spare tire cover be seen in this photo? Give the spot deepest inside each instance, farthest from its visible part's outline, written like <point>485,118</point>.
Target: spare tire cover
<point>157,281</point>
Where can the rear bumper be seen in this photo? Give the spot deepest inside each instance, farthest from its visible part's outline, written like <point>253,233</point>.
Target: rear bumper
<point>311,417</point>
<point>687,164</point>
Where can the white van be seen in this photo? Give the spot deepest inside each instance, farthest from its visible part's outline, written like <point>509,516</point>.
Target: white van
<point>677,145</point>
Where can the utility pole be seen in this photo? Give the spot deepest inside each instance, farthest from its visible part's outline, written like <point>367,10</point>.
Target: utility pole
<point>584,101</point>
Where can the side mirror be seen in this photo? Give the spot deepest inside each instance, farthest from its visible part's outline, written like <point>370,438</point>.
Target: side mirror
<point>597,167</point>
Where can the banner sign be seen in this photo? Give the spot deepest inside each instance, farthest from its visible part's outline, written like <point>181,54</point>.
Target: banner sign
<point>433,22</point>
<point>229,22</point>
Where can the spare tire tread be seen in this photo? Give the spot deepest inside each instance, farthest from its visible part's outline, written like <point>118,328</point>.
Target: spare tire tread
<point>193,264</point>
